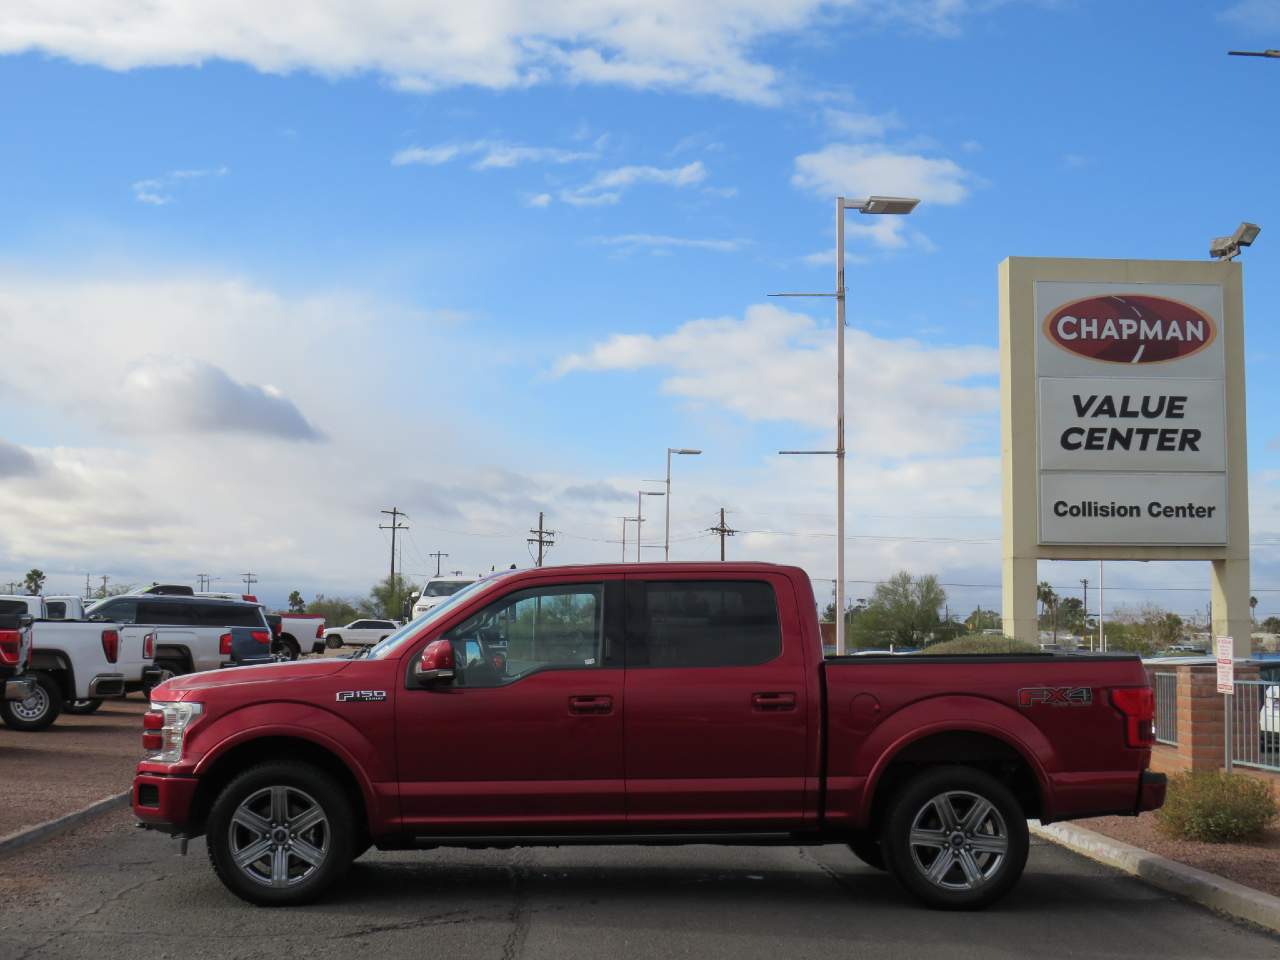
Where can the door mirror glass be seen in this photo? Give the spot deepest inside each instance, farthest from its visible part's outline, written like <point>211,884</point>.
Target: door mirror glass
<point>436,663</point>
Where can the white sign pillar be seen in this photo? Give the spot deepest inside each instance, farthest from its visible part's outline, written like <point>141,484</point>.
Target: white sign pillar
<point>1122,424</point>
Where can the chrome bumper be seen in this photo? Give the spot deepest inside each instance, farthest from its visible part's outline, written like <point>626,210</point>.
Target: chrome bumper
<point>19,688</point>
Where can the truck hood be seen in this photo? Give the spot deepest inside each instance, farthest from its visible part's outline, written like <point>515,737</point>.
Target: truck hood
<point>267,673</point>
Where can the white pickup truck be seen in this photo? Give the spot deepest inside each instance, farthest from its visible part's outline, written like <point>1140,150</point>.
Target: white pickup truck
<point>75,664</point>
<point>300,633</point>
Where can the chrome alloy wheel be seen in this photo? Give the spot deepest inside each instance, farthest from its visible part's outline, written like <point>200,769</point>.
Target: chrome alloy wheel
<point>279,836</point>
<point>34,707</point>
<point>958,840</point>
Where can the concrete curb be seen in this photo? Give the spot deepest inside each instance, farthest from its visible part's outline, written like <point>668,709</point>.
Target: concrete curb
<point>29,835</point>
<point>1207,889</point>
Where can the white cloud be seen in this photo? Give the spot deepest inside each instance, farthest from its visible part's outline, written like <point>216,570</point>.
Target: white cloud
<point>425,45</point>
<point>1258,15</point>
<point>859,125</point>
<point>663,242</point>
<point>490,154</point>
<point>538,200</point>
<point>607,187</point>
<point>860,170</point>
<point>775,365</point>
<point>158,191</point>
<point>183,395</point>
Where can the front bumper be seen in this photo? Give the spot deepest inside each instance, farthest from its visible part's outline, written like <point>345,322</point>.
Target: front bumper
<point>163,802</point>
<point>1151,790</point>
<point>19,688</point>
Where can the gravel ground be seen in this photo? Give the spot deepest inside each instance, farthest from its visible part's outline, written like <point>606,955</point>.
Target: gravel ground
<point>73,763</point>
<point>1255,864</point>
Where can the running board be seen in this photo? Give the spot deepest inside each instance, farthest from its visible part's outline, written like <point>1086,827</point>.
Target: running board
<point>482,841</point>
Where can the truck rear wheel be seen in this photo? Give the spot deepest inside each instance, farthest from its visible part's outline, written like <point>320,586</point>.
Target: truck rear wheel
<point>287,647</point>
<point>956,838</point>
<point>280,834</point>
<point>37,711</point>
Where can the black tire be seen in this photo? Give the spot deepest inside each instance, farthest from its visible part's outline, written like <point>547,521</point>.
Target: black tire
<point>333,641</point>
<point>971,877</point>
<point>304,787</point>
<point>81,708</point>
<point>168,668</point>
<point>36,712</point>
<point>288,647</point>
<point>868,851</point>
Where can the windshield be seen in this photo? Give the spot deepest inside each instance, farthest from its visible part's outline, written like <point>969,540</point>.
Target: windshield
<point>392,643</point>
<point>444,588</point>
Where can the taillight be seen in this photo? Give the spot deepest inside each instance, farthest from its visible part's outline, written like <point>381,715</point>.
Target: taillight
<point>262,636</point>
<point>152,723</point>
<point>111,645</point>
<point>224,644</point>
<point>277,628</point>
<point>149,647</point>
<point>1138,704</point>
<point>248,598</point>
<point>10,647</point>
<point>320,630</point>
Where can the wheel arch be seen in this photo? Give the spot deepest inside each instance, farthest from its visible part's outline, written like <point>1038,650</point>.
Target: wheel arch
<point>216,771</point>
<point>57,664</point>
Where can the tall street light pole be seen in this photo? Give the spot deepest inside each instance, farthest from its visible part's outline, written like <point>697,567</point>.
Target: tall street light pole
<point>666,540</point>
<point>640,495</point>
<point>873,205</point>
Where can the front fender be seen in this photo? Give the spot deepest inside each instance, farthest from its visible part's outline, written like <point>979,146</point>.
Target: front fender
<point>346,741</point>
<point>950,714</point>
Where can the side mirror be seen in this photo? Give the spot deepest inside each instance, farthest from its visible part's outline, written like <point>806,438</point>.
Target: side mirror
<point>436,663</point>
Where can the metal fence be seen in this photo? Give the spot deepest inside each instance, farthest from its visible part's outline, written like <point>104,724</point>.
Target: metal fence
<point>1166,690</point>
<point>1255,724</point>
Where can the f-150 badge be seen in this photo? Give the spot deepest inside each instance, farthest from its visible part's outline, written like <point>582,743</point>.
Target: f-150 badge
<point>372,696</point>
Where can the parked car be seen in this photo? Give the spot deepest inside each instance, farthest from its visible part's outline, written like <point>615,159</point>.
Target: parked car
<point>190,628</point>
<point>75,664</point>
<point>360,632</point>
<point>642,703</point>
<point>436,590</point>
<point>15,651</point>
<point>299,633</point>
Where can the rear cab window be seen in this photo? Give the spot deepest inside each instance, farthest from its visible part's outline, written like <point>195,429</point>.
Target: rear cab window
<point>702,623</point>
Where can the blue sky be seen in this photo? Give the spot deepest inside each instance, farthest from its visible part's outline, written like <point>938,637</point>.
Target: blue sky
<point>247,327</point>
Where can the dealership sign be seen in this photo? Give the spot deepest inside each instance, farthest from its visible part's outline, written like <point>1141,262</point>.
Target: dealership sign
<point>1131,413</point>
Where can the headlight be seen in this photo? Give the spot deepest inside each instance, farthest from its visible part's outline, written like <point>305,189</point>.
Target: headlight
<point>165,726</point>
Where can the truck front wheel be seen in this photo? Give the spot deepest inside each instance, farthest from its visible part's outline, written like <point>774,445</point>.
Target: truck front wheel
<point>956,838</point>
<point>37,711</point>
<point>280,834</point>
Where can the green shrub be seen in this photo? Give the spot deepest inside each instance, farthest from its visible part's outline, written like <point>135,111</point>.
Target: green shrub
<point>1216,807</point>
<point>978,643</point>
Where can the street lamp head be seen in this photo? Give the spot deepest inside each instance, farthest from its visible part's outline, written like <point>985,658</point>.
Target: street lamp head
<point>684,451</point>
<point>1227,248</point>
<point>885,205</point>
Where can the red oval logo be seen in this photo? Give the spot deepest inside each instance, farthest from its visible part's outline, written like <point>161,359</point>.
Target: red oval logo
<point>1130,328</point>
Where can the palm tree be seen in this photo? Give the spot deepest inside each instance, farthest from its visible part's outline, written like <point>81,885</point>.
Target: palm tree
<point>1253,605</point>
<point>33,582</point>
<point>1048,601</point>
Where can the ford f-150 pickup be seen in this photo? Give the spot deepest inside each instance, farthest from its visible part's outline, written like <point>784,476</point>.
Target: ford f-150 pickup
<point>641,703</point>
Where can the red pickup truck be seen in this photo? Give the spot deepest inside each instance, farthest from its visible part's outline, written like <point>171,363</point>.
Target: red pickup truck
<point>641,703</point>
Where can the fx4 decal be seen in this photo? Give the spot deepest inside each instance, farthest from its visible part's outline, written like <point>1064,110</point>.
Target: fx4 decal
<point>373,696</point>
<point>1055,696</point>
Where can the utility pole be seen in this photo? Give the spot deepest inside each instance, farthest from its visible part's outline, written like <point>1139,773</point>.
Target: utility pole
<point>545,539</point>
<point>724,531</point>
<point>204,581</point>
<point>105,578</point>
<point>249,580</point>
<point>439,556</point>
<point>625,521</point>
<point>86,586</point>
<point>1084,582</point>
<point>395,514</point>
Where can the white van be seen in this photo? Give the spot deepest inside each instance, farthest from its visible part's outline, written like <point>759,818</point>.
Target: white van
<point>437,590</point>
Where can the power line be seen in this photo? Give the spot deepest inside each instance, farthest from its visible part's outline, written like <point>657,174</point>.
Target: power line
<point>395,513</point>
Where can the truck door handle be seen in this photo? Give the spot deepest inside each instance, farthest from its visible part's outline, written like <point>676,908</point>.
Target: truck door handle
<point>770,702</point>
<point>591,705</point>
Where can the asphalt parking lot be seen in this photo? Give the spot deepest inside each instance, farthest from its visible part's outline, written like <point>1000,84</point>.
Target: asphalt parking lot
<point>107,889</point>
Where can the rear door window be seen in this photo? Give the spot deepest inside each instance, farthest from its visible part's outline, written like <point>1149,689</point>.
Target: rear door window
<point>709,623</point>
<point>166,614</point>
<point>119,611</point>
